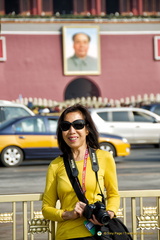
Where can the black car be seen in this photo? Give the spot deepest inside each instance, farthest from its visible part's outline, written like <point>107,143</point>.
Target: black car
<point>154,107</point>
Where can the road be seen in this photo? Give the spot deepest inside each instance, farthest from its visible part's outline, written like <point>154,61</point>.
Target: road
<point>140,170</point>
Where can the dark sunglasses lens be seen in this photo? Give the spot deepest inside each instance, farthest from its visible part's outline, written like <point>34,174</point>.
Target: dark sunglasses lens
<point>78,124</point>
<point>65,126</point>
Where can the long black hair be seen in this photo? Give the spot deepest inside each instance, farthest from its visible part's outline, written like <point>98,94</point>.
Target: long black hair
<point>91,138</point>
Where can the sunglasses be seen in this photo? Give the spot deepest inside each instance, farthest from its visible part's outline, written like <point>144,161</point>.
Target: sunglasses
<point>77,124</point>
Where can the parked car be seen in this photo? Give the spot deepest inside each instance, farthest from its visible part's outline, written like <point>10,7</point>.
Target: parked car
<point>155,107</point>
<point>138,125</point>
<point>9,110</point>
<point>35,138</point>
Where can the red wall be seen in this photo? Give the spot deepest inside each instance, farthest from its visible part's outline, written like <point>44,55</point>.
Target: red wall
<point>128,66</point>
<point>34,67</point>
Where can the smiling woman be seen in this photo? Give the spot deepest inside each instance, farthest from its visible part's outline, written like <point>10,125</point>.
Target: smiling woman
<point>77,139</point>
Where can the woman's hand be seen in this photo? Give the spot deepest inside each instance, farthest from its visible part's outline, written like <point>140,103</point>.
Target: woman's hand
<point>67,215</point>
<point>79,208</point>
<point>75,213</point>
<point>94,220</point>
<point>111,214</point>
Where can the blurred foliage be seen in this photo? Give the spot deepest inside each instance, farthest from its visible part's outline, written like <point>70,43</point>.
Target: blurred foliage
<point>88,16</point>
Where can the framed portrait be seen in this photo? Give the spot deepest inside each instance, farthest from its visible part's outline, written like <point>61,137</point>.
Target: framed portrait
<point>157,47</point>
<point>81,50</point>
<point>3,49</point>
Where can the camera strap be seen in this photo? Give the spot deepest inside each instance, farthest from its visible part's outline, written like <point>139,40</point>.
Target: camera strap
<point>72,173</point>
<point>95,168</point>
<point>74,180</point>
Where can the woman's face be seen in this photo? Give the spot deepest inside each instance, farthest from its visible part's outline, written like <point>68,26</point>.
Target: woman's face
<point>75,138</point>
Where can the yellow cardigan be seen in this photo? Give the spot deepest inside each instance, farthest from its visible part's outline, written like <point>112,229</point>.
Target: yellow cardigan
<point>58,186</point>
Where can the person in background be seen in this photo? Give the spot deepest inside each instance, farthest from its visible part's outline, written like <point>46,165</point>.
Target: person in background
<point>76,132</point>
<point>35,109</point>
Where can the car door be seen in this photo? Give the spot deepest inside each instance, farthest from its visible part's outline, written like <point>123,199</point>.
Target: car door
<point>121,124</point>
<point>34,138</point>
<point>146,128</point>
<point>116,122</point>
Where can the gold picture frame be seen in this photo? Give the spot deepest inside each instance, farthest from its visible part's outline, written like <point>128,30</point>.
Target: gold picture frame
<point>157,47</point>
<point>74,64</point>
<point>3,55</point>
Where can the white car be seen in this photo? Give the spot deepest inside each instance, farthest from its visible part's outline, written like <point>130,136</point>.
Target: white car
<point>9,110</point>
<point>138,125</point>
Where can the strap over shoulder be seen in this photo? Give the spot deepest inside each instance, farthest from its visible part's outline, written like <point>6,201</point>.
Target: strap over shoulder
<point>94,160</point>
<point>74,181</point>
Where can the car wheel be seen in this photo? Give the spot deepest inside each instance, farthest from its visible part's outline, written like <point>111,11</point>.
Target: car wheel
<point>12,156</point>
<point>108,147</point>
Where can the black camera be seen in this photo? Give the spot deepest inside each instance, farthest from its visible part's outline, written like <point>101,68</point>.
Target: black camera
<point>99,210</point>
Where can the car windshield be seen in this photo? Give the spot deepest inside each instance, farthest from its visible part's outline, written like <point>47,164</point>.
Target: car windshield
<point>12,112</point>
<point>4,124</point>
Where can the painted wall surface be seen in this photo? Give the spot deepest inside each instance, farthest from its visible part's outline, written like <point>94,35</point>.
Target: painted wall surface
<point>128,66</point>
<point>34,67</point>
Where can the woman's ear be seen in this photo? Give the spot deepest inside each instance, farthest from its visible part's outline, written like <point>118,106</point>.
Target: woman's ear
<point>87,132</point>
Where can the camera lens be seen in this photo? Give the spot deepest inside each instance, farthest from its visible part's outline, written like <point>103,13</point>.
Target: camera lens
<point>105,219</point>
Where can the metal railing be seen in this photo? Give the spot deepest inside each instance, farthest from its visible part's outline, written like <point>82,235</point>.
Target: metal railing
<point>93,101</point>
<point>21,215</point>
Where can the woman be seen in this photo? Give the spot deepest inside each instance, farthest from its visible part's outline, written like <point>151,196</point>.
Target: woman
<point>76,132</point>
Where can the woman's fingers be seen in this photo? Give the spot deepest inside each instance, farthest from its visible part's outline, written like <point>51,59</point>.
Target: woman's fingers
<point>111,214</point>
<point>79,208</point>
<point>94,220</point>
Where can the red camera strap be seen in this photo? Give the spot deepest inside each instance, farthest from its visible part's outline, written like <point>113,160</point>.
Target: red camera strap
<point>84,170</point>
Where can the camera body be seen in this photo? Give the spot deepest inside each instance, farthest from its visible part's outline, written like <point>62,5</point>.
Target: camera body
<point>98,209</point>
